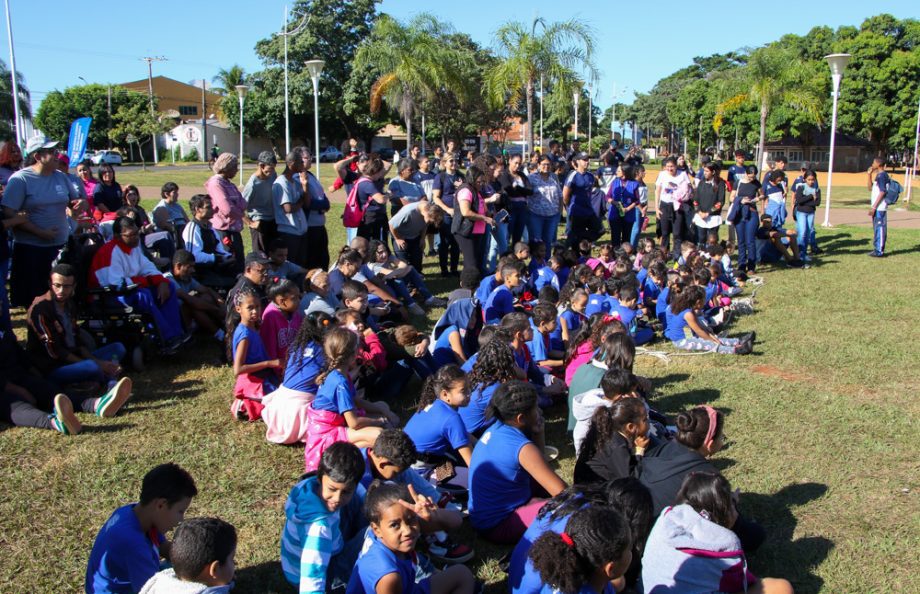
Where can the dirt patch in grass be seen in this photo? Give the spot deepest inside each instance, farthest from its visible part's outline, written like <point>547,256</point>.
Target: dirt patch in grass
<point>771,371</point>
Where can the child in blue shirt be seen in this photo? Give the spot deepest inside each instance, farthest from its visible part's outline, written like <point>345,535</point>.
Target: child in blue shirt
<point>545,323</point>
<point>494,367</point>
<point>501,301</point>
<point>686,332</point>
<point>448,348</point>
<point>389,564</point>
<point>629,315</point>
<point>574,316</point>
<point>254,371</point>
<point>436,427</point>
<point>324,527</point>
<point>597,297</point>
<point>655,283</point>
<point>128,547</point>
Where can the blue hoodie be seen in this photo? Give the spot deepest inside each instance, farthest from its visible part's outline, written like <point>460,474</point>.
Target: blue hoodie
<point>311,536</point>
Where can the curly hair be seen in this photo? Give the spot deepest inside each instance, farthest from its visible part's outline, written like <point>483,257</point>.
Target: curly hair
<point>312,329</point>
<point>594,537</point>
<point>495,363</point>
<point>443,379</point>
<point>510,400</point>
<point>595,329</point>
<point>396,446</point>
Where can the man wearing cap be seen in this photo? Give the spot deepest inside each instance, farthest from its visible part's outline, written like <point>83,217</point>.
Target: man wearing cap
<point>260,213</point>
<point>255,277</point>
<point>43,193</point>
<point>576,194</point>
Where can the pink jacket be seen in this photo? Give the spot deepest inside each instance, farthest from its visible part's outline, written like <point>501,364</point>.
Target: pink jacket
<point>582,355</point>
<point>229,204</point>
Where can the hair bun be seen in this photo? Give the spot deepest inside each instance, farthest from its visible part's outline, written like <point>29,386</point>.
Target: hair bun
<point>686,422</point>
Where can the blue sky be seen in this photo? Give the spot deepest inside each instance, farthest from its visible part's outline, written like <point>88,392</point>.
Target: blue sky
<point>58,42</point>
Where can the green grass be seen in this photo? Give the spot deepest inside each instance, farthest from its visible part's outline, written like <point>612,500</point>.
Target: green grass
<point>820,420</point>
<point>194,175</point>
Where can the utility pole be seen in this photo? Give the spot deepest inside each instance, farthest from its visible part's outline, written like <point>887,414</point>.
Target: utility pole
<point>204,126</point>
<point>18,136</point>
<point>109,122</point>
<point>150,60</point>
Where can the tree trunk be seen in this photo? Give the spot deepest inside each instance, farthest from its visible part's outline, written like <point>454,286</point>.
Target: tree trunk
<point>530,114</point>
<point>763,133</point>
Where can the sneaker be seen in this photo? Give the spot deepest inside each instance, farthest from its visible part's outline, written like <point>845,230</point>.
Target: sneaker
<point>875,255</point>
<point>63,419</point>
<point>435,302</point>
<point>451,553</point>
<point>114,399</point>
<point>744,348</point>
<point>816,251</point>
<point>416,310</point>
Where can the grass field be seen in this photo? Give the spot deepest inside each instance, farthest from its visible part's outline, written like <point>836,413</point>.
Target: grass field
<point>820,421</point>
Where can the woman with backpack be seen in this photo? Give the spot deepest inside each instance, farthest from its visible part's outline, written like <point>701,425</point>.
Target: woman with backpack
<point>469,219</point>
<point>365,207</point>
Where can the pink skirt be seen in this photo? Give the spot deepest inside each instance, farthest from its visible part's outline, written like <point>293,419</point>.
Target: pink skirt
<point>286,415</point>
<point>324,428</point>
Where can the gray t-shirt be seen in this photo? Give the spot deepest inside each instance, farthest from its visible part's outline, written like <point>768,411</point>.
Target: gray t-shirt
<point>258,195</point>
<point>45,199</point>
<point>409,222</point>
<point>285,191</point>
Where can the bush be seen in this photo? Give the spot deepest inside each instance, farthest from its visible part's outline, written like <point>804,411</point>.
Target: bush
<point>192,156</point>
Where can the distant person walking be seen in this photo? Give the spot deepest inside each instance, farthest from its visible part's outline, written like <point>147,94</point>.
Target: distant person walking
<point>878,208</point>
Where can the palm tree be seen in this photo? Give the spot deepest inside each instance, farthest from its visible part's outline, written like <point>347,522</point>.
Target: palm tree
<point>774,75</point>
<point>7,112</point>
<point>559,53</point>
<point>415,61</point>
<point>228,79</point>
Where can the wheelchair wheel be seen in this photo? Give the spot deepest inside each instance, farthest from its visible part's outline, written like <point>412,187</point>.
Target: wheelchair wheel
<point>137,358</point>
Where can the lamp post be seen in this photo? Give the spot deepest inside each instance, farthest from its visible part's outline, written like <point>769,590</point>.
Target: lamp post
<point>316,68</point>
<point>590,114</point>
<point>541,114</point>
<point>241,90</point>
<point>575,103</point>
<point>286,33</point>
<point>837,62</point>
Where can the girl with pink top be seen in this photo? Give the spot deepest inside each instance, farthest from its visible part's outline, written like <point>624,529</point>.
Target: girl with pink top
<point>469,217</point>
<point>281,319</point>
<point>229,205</point>
<point>587,339</point>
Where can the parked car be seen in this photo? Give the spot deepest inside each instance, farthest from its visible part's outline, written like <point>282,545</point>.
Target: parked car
<point>330,154</point>
<point>110,157</point>
<point>388,154</point>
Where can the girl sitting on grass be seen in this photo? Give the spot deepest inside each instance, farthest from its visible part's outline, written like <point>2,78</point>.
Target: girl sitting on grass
<point>337,413</point>
<point>493,367</point>
<point>507,465</point>
<point>254,370</point>
<point>436,427</point>
<point>687,333</point>
<point>389,565</point>
<point>281,319</point>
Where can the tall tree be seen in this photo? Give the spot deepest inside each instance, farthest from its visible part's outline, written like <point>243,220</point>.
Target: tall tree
<point>134,120</point>
<point>774,75</point>
<point>227,79</point>
<point>7,111</point>
<point>60,108</point>
<point>561,51</point>
<point>413,63</point>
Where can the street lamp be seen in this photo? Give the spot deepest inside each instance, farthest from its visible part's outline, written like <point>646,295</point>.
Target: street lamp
<point>837,62</point>
<point>316,68</point>
<point>542,150</point>
<point>286,33</point>
<point>241,90</point>
<point>590,109</point>
<point>575,102</point>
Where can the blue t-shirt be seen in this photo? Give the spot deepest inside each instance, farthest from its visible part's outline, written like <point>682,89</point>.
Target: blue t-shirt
<point>597,303</point>
<point>498,483</point>
<point>581,186</point>
<point>379,561</point>
<point>735,175</point>
<point>468,366</point>
<point>677,328</point>
<point>123,557</point>
<point>474,413</point>
<point>641,275</point>
<point>573,319</point>
<point>625,194</point>
<point>486,286</point>
<point>661,306</point>
<point>445,182</point>
<point>303,367</point>
<point>523,578</point>
<point>650,291</point>
<point>539,346</point>
<point>712,290</point>
<point>499,303</point>
<point>443,353</point>
<point>337,394</point>
<point>256,352</point>
<point>629,317</point>
<point>543,276</point>
<point>437,429</point>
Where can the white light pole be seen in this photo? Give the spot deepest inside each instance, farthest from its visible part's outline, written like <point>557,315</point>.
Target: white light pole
<point>316,68</point>
<point>575,103</point>
<point>590,109</point>
<point>913,171</point>
<point>241,90</point>
<point>18,136</point>
<point>285,33</point>
<point>837,62</point>
<point>541,114</point>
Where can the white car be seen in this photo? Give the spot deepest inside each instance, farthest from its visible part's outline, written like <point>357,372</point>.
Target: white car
<point>330,154</point>
<point>110,157</point>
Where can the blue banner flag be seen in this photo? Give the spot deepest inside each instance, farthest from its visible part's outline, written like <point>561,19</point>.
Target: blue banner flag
<point>76,144</point>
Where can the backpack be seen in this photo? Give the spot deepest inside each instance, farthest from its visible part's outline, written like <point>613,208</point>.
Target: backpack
<point>354,214</point>
<point>893,192</point>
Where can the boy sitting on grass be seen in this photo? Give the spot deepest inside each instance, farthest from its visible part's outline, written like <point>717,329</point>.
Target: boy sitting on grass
<point>128,548</point>
<point>325,524</point>
<point>203,552</point>
<point>200,303</point>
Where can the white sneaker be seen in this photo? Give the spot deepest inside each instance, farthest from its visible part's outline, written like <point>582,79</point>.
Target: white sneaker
<point>114,399</point>
<point>416,310</point>
<point>63,419</point>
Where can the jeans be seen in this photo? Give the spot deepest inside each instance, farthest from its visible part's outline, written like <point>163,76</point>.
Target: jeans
<point>636,229</point>
<point>88,370</point>
<point>617,230</point>
<point>543,228</point>
<point>497,237</point>
<point>448,248</point>
<point>880,230</point>
<point>166,316</point>
<point>6,323</point>
<point>747,244</point>
<point>350,234</point>
<point>805,230</point>
<point>702,234</point>
<point>683,225</point>
<point>402,291</point>
<point>31,269</point>
<point>414,253</point>
<point>519,215</point>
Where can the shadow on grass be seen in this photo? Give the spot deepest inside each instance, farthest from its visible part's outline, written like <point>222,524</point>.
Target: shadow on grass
<point>782,555</point>
<point>262,577</point>
<point>116,428</point>
<point>675,403</point>
<point>151,391</point>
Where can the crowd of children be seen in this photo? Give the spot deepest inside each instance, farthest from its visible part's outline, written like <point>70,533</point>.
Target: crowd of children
<point>383,498</point>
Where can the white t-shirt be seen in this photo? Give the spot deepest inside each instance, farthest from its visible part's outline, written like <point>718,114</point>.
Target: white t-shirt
<point>882,205</point>
<point>669,184</point>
